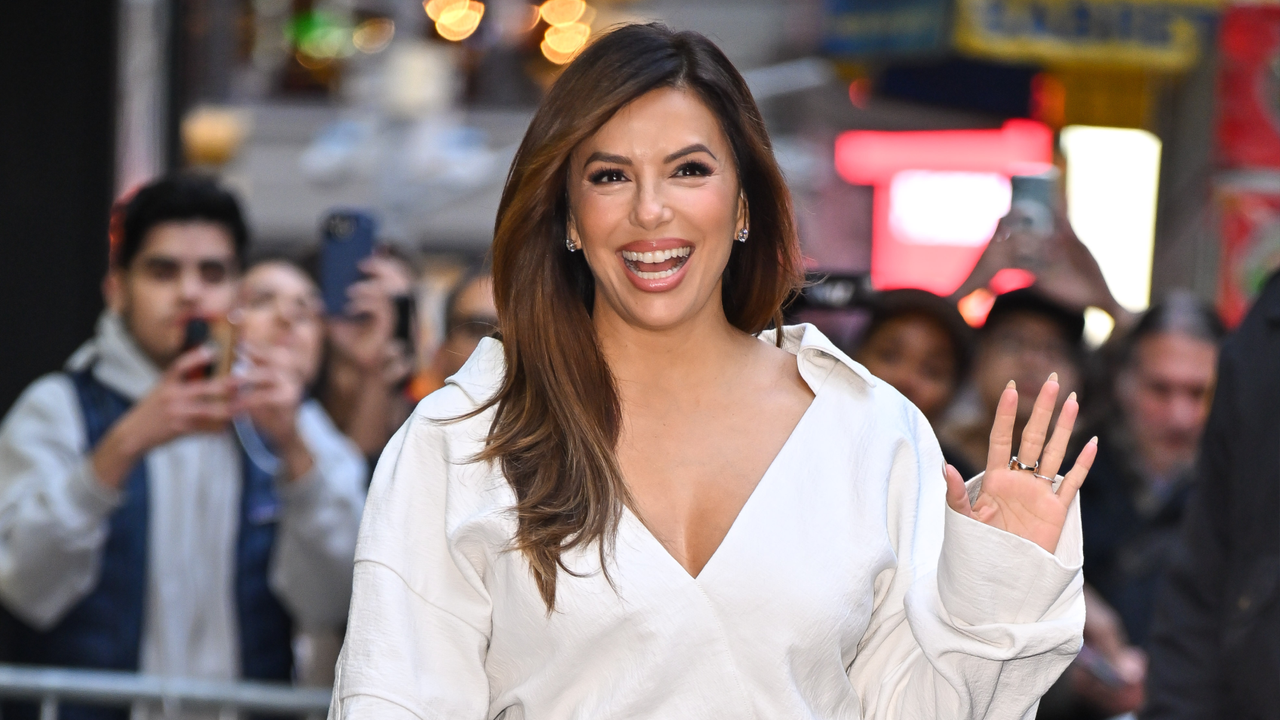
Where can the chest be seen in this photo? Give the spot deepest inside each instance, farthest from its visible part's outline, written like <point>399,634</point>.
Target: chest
<point>794,578</point>
<point>691,470</point>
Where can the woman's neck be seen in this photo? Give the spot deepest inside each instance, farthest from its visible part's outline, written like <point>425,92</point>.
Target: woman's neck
<point>690,357</point>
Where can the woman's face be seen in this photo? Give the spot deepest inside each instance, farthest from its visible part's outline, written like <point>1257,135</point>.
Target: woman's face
<point>281,308</point>
<point>914,355</point>
<point>654,204</point>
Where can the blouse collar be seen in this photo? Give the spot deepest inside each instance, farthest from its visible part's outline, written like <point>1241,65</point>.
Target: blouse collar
<point>481,377</point>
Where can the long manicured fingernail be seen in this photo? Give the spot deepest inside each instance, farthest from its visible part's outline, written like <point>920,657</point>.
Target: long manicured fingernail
<point>1093,440</point>
<point>1010,385</point>
<point>1053,377</point>
<point>1071,397</point>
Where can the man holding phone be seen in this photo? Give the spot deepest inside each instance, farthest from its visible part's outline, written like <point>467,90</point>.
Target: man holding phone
<point>136,533</point>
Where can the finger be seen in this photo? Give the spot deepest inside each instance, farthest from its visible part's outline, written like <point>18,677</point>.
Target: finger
<point>1051,462</point>
<point>1002,430</point>
<point>1037,429</point>
<point>1074,479</point>
<point>957,495</point>
<point>190,361</point>
<point>211,390</point>
<point>364,289</point>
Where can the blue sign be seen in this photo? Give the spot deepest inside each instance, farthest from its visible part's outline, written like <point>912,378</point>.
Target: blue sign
<point>886,27</point>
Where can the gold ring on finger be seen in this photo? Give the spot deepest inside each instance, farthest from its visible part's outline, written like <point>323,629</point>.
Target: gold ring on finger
<point>1016,464</point>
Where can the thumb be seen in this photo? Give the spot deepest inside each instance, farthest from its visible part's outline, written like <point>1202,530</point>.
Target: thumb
<point>957,495</point>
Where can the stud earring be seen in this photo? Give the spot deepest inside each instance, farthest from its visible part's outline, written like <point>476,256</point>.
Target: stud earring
<point>741,236</point>
<point>568,242</point>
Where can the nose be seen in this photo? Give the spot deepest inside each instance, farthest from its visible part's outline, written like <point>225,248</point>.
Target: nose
<point>190,284</point>
<point>650,209</point>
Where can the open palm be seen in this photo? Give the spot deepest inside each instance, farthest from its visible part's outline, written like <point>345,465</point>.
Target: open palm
<point>1019,501</point>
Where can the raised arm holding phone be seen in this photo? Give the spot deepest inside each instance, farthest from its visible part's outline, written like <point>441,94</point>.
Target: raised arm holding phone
<point>136,530</point>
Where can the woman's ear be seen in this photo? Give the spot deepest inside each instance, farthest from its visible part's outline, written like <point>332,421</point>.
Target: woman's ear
<point>743,221</point>
<point>572,238</point>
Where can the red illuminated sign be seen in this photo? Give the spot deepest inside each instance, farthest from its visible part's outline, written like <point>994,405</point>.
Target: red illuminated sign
<point>938,195</point>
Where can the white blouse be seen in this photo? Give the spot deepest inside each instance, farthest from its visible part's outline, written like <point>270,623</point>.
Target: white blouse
<point>845,588</point>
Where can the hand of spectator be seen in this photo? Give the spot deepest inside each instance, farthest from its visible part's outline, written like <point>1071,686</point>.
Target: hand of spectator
<point>1117,687</point>
<point>1023,502</point>
<point>176,406</point>
<point>363,336</point>
<point>270,392</point>
<point>389,275</point>
<point>996,256</point>
<point>1072,275</point>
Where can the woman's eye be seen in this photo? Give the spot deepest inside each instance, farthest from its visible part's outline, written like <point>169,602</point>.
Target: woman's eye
<point>693,169</point>
<point>607,176</point>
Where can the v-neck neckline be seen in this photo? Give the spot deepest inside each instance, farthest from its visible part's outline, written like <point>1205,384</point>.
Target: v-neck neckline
<point>755,491</point>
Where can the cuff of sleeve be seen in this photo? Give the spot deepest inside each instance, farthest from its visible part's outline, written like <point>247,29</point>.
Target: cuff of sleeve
<point>987,575</point>
<point>89,495</point>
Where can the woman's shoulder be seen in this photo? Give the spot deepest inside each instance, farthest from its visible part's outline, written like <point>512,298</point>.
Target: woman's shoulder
<point>454,405</point>
<point>436,450</point>
<point>825,366</point>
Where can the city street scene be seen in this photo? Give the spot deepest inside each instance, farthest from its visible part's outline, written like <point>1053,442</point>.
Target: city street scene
<point>503,359</point>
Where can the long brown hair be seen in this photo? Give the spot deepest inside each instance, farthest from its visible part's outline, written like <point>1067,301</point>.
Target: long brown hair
<point>558,418</point>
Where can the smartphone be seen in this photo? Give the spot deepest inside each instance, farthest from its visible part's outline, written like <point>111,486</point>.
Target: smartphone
<point>218,332</point>
<point>1033,211</point>
<point>347,239</point>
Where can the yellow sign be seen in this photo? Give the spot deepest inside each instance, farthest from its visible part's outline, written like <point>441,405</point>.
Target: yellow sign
<point>1154,34</point>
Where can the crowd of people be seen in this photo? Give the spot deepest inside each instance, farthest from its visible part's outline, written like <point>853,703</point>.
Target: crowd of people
<point>160,515</point>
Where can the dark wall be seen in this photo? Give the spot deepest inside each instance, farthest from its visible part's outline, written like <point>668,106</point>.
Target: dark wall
<point>57,99</point>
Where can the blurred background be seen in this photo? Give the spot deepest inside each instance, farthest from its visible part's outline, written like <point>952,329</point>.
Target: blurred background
<point>1128,150</point>
<point>1164,115</point>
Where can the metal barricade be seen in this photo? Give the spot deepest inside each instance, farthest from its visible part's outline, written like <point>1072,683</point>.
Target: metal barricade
<point>160,696</point>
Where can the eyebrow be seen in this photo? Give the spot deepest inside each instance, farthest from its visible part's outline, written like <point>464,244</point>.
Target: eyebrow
<point>623,160</point>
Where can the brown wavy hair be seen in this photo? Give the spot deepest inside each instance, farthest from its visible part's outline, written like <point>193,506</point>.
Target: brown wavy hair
<point>558,417</point>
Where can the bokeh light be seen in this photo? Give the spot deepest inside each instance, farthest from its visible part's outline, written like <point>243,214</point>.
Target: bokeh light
<point>555,56</point>
<point>568,38</point>
<point>436,8</point>
<point>459,20</point>
<point>373,36</point>
<point>562,12</point>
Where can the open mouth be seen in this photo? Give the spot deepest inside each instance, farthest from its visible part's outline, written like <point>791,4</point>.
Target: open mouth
<point>657,264</point>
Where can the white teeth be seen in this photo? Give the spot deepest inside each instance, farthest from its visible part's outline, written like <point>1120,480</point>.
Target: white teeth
<point>656,275</point>
<point>656,256</point>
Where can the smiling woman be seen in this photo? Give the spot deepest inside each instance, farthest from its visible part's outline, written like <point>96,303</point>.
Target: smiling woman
<point>644,502</point>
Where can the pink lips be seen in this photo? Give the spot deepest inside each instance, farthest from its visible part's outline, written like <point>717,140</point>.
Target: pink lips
<point>661,284</point>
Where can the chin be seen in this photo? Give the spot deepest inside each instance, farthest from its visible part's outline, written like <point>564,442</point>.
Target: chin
<point>658,313</point>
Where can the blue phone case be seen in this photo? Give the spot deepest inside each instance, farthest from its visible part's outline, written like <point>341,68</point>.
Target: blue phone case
<point>348,237</point>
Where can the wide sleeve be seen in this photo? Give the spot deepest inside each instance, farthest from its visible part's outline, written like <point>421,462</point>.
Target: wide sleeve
<point>972,622</point>
<point>53,510</point>
<point>420,613</point>
<point>320,517</point>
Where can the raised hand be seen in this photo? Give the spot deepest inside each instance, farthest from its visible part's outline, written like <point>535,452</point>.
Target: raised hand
<point>176,406</point>
<point>270,392</point>
<point>1017,491</point>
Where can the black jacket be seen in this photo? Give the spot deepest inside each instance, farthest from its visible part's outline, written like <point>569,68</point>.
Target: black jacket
<point>1127,545</point>
<point>1215,637</point>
